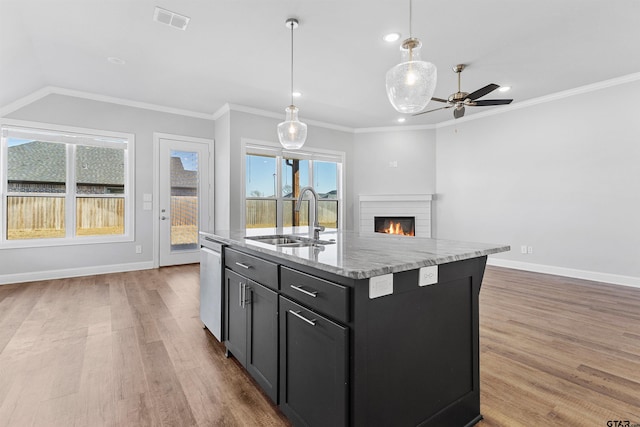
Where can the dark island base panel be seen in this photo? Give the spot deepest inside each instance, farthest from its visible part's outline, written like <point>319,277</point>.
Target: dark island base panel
<point>416,352</point>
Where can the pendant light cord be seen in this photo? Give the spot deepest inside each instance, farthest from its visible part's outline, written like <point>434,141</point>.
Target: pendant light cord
<point>292,25</point>
<point>410,15</point>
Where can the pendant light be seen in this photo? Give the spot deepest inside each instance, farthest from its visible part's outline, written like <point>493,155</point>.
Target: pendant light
<point>292,133</point>
<point>411,83</point>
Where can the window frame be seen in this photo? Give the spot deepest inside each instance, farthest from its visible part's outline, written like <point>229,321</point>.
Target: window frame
<point>86,137</point>
<point>265,148</point>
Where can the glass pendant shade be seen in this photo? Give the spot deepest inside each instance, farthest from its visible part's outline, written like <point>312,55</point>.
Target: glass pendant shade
<point>411,83</point>
<point>292,133</point>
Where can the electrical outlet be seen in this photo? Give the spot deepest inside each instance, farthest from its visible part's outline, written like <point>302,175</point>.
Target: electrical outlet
<point>138,249</point>
<point>428,275</point>
<point>529,249</point>
<point>380,286</point>
<point>523,249</point>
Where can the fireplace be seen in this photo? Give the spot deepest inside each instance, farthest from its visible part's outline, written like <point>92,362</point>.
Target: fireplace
<point>402,225</point>
<point>402,206</point>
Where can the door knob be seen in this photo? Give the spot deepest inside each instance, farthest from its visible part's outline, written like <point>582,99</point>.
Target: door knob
<point>163,218</point>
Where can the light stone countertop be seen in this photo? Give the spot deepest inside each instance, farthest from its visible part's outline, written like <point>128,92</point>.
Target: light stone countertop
<point>360,256</point>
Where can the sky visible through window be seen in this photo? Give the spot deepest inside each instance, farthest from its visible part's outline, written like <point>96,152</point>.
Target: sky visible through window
<point>189,159</point>
<point>12,142</point>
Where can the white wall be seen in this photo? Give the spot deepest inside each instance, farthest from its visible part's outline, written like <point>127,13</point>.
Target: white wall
<point>414,152</point>
<point>262,128</point>
<point>562,177</point>
<point>222,183</point>
<point>71,111</point>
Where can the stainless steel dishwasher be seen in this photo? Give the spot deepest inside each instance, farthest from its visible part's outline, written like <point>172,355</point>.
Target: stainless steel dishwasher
<point>211,286</point>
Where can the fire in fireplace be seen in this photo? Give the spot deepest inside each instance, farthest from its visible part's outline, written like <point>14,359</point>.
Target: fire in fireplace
<point>403,225</point>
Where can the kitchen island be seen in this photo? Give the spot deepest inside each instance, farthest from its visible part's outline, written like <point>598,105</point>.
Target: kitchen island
<point>360,330</point>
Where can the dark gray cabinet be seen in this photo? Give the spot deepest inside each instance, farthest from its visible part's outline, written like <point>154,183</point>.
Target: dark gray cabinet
<point>252,329</point>
<point>330,354</point>
<point>313,367</point>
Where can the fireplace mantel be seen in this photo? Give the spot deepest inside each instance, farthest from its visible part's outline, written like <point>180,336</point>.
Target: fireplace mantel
<point>396,197</point>
<point>417,205</point>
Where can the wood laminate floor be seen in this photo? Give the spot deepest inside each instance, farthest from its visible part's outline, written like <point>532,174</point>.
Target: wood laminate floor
<point>129,349</point>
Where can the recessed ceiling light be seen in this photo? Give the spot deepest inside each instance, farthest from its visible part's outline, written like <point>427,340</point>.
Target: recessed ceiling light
<point>504,88</point>
<point>391,37</point>
<point>296,94</point>
<point>116,60</point>
<point>401,119</point>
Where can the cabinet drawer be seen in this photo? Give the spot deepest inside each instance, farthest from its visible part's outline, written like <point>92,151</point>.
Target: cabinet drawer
<point>318,294</point>
<point>263,272</point>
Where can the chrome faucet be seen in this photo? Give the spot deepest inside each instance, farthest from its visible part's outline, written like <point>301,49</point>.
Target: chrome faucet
<point>317,228</point>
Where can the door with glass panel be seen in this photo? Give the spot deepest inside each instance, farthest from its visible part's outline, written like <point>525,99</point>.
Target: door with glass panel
<point>184,199</point>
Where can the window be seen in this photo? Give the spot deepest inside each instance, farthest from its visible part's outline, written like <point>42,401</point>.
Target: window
<point>274,178</point>
<point>64,186</point>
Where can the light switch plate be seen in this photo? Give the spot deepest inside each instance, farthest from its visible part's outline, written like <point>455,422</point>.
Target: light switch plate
<point>380,286</point>
<point>428,275</point>
<point>147,206</point>
<point>146,197</point>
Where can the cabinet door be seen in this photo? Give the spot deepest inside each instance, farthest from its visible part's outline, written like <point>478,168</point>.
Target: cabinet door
<point>313,367</point>
<point>236,343</point>
<point>262,339</point>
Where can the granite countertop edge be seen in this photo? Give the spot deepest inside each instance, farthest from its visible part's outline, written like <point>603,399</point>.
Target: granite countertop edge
<point>373,269</point>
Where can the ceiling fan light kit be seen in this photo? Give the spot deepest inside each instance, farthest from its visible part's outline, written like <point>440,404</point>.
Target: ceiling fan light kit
<point>292,133</point>
<point>411,83</point>
<point>460,100</point>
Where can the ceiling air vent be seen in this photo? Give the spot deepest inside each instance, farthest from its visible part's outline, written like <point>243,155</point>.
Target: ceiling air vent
<point>172,19</point>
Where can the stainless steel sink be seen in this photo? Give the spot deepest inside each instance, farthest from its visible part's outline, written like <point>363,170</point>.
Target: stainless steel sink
<point>289,241</point>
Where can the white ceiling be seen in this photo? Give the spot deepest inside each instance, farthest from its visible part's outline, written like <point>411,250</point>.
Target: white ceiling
<point>237,51</point>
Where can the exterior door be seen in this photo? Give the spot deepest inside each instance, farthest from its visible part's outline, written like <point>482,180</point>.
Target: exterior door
<point>183,199</point>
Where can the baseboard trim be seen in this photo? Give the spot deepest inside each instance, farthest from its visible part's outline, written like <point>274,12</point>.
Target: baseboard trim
<point>7,279</point>
<point>595,276</point>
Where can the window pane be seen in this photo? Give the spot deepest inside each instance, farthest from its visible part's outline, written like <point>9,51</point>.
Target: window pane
<point>260,180</point>
<point>36,166</point>
<point>35,217</point>
<point>99,170</point>
<point>289,213</point>
<point>99,216</point>
<point>184,200</point>
<point>325,179</point>
<point>260,213</point>
<point>295,175</point>
<point>328,213</point>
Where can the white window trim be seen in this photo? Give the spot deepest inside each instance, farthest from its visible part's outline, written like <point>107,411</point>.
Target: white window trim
<point>254,146</point>
<point>129,190</point>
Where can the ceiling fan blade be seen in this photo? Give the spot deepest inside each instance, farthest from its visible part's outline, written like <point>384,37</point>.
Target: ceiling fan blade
<point>458,112</point>
<point>439,100</point>
<point>436,109</point>
<point>482,92</point>
<point>486,102</point>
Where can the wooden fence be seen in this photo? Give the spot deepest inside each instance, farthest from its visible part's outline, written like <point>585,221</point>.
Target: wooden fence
<point>31,217</point>
<point>262,213</point>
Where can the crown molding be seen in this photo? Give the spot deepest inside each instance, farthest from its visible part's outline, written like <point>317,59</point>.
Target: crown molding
<point>629,78</point>
<point>53,90</point>
<point>49,90</point>
<point>279,116</point>
<point>24,101</point>
<point>394,128</point>
<point>221,111</point>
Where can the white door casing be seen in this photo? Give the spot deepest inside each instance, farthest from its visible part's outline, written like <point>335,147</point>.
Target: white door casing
<point>184,202</point>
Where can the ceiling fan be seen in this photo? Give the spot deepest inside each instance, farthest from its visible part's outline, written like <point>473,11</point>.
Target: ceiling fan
<point>460,100</point>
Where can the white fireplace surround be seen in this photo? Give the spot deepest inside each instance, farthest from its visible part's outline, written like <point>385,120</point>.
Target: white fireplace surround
<point>416,205</point>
